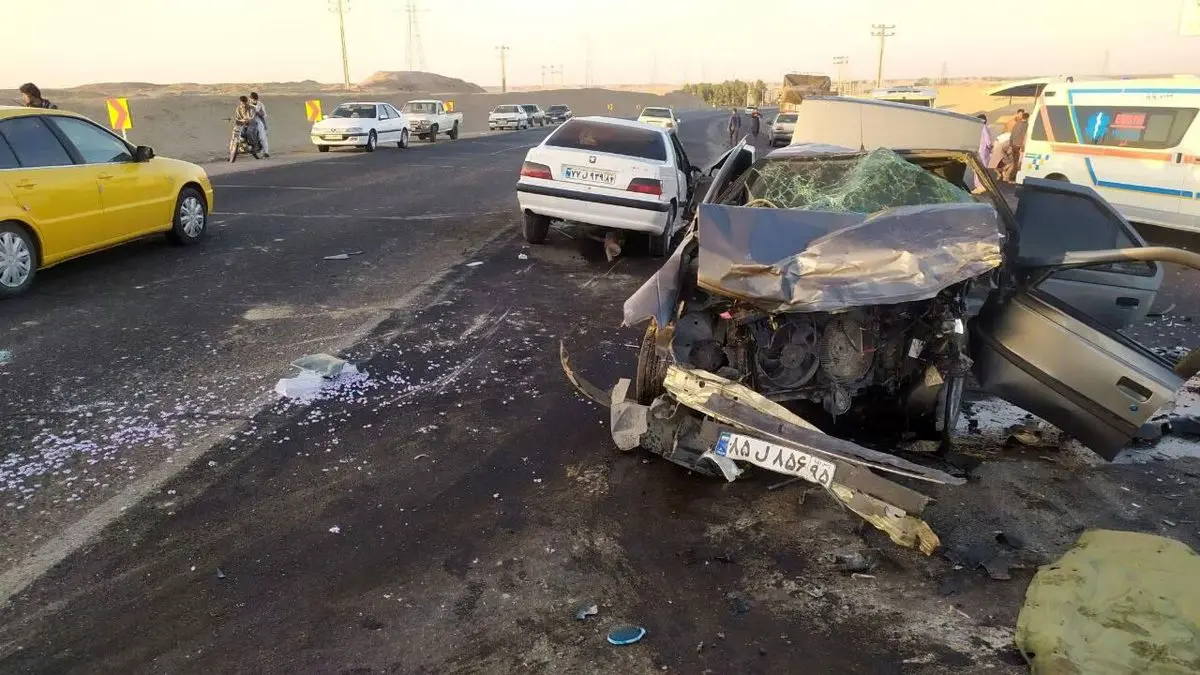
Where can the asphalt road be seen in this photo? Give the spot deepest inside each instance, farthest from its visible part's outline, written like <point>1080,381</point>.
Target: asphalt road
<point>449,510</point>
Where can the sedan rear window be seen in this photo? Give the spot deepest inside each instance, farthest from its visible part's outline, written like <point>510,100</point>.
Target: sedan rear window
<point>355,110</point>
<point>786,118</point>
<point>656,112</point>
<point>506,109</point>
<point>610,138</point>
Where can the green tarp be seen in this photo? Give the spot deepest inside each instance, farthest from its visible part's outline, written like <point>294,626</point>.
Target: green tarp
<point>1118,602</point>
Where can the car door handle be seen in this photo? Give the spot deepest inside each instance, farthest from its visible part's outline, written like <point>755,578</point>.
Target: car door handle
<point>104,176</point>
<point>25,184</point>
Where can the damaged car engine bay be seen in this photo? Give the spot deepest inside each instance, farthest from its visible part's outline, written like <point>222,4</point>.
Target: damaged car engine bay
<point>824,295</point>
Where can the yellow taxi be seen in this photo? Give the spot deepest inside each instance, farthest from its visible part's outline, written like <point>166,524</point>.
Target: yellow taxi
<point>69,187</point>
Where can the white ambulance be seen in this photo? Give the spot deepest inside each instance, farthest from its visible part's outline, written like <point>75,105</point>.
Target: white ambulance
<point>1136,142</point>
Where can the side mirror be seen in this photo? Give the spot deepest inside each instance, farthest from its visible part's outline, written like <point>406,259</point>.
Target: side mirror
<point>695,169</point>
<point>143,153</point>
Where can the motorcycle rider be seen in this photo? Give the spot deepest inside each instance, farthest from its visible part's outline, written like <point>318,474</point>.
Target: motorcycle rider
<point>243,124</point>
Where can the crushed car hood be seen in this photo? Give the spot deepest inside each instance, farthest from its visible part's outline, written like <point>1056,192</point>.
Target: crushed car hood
<point>783,260</point>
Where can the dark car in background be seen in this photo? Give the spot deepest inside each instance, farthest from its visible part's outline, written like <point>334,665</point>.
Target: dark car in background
<point>558,113</point>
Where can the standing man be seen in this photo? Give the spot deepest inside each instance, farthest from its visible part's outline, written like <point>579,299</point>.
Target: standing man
<point>985,152</point>
<point>735,125</point>
<point>260,122</point>
<point>1016,146</point>
<point>32,96</point>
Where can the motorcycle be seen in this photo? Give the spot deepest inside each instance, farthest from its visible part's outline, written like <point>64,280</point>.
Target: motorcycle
<point>243,141</point>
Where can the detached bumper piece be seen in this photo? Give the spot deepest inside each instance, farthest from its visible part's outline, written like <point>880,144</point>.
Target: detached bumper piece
<point>686,423</point>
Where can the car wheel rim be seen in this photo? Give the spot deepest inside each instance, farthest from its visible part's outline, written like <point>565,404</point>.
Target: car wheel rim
<point>191,216</point>
<point>404,139</point>
<point>16,260</point>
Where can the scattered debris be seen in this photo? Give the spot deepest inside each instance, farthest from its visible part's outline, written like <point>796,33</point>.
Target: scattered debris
<point>220,574</point>
<point>857,575</point>
<point>1030,435</point>
<point>335,530</point>
<point>853,562</point>
<point>741,605</point>
<point>587,610</point>
<point>726,557</point>
<point>340,256</point>
<point>477,263</point>
<point>324,365</point>
<point>523,256</point>
<point>5,357</point>
<point>626,635</point>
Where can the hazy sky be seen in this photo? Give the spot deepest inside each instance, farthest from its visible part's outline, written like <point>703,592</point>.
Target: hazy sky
<point>68,42</point>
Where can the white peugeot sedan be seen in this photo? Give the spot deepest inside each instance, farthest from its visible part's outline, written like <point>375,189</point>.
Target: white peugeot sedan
<point>361,125</point>
<point>611,173</point>
<point>660,117</point>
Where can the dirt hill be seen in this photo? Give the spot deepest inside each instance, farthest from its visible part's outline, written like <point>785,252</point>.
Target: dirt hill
<point>412,80</point>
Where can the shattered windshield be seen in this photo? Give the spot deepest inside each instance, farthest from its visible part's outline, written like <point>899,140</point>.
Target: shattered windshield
<point>420,108</point>
<point>857,183</point>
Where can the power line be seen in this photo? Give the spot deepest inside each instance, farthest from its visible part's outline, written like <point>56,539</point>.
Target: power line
<point>883,32</point>
<point>341,7</point>
<point>503,49</point>
<point>414,52</point>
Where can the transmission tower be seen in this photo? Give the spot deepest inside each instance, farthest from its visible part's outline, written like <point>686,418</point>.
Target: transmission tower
<point>883,32</point>
<point>414,52</point>
<point>341,7</point>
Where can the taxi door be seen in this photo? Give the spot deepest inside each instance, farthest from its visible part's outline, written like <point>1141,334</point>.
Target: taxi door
<point>57,197</point>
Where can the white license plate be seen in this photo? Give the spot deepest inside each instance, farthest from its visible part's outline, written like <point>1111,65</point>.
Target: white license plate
<point>589,175</point>
<point>333,137</point>
<point>775,457</point>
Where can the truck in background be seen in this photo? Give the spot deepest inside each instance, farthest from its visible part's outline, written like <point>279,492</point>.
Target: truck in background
<point>428,118</point>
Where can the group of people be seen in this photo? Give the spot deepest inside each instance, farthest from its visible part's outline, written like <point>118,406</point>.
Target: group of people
<point>250,118</point>
<point>735,124</point>
<point>1010,146</point>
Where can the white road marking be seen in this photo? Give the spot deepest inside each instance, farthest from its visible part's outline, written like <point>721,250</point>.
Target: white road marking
<point>351,216</point>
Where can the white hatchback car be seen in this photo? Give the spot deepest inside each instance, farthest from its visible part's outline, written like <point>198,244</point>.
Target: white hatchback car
<point>610,173</point>
<point>362,125</point>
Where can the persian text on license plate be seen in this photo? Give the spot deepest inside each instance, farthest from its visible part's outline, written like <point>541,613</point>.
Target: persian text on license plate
<point>775,457</point>
<point>334,137</point>
<point>589,175</point>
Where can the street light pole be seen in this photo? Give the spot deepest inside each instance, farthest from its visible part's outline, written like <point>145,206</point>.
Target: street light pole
<point>341,7</point>
<point>503,49</point>
<point>883,32</point>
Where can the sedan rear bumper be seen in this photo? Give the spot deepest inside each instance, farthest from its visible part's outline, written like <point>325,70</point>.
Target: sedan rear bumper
<point>622,213</point>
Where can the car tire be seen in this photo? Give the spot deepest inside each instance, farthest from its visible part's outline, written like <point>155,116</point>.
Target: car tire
<point>190,222</point>
<point>660,245</point>
<point>372,141</point>
<point>651,369</point>
<point>322,148</point>
<point>18,260</point>
<point>454,132</point>
<point>535,228</point>
<point>403,142</point>
<point>433,132</point>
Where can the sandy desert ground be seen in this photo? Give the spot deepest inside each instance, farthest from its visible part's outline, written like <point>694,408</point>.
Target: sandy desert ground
<point>188,121</point>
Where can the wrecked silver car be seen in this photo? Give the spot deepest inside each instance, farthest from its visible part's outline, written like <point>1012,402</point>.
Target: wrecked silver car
<point>829,289</point>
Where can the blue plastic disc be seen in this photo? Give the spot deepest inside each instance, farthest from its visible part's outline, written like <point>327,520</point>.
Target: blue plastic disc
<point>626,635</point>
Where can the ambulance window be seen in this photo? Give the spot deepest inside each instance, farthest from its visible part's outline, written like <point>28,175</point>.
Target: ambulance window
<point>1060,125</point>
<point>1134,127</point>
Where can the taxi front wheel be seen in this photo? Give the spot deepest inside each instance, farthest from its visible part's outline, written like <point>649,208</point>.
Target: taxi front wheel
<point>191,218</point>
<point>18,260</point>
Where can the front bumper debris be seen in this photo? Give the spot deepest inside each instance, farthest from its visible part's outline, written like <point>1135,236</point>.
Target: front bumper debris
<point>684,423</point>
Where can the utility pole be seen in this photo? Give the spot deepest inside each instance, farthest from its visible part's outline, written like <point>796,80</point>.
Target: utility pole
<point>414,53</point>
<point>840,62</point>
<point>883,32</point>
<point>503,49</point>
<point>341,7</point>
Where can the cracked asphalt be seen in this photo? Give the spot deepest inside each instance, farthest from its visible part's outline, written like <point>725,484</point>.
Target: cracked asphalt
<point>451,509</point>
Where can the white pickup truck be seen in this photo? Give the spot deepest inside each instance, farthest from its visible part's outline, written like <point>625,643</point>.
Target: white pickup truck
<point>427,119</point>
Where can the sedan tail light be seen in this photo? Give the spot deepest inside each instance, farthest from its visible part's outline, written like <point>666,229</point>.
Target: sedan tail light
<point>646,186</point>
<point>535,170</point>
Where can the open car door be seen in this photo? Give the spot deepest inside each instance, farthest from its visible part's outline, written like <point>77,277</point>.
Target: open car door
<point>1055,217</point>
<point>728,167</point>
<point>1050,346</point>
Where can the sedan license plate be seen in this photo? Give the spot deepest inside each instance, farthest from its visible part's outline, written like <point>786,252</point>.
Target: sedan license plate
<point>775,457</point>
<point>582,175</point>
<point>333,137</point>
